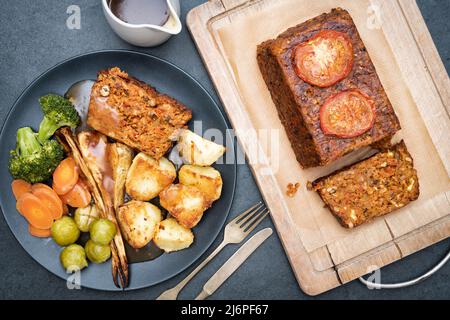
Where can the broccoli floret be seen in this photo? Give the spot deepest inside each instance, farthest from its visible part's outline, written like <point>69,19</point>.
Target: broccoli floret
<point>33,161</point>
<point>58,112</point>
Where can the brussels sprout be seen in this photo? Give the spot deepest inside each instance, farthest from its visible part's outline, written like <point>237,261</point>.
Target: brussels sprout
<point>97,253</point>
<point>65,231</point>
<point>85,216</point>
<point>73,258</point>
<point>102,231</point>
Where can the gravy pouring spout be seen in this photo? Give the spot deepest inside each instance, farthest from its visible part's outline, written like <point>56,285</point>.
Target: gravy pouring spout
<point>144,34</point>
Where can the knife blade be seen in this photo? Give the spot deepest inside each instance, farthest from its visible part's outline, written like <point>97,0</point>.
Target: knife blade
<point>234,262</point>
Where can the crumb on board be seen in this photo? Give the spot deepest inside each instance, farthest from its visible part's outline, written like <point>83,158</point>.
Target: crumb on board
<point>292,189</point>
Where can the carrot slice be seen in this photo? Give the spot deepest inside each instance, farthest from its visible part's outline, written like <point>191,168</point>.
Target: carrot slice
<point>36,213</point>
<point>50,199</point>
<point>41,185</point>
<point>40,233</point>
<point>83,183</point>
<point>20,187</point>
<point>65,176</point>
<point>78,197</point>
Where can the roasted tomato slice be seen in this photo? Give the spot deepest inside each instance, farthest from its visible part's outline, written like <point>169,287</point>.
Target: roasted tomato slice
<point>324,59</point>
<point>347,114</point>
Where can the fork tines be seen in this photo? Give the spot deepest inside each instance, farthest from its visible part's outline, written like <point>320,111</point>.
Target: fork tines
<point>250,218</point>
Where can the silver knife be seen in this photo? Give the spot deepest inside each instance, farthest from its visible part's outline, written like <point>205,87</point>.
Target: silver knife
<point>233,263</point>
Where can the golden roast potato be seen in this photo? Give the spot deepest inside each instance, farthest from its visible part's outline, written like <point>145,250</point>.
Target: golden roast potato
<point>147,177</point>
<point>196,150</point>
<point>172,236</point>
<point>184,203</point>
<point>206,179</point>
<point>138,221</point>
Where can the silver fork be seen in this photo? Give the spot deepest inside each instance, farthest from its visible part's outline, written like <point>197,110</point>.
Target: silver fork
<point>235,232</point>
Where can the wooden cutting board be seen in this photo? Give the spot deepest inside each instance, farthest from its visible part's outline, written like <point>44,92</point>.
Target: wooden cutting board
<point>322,263</point>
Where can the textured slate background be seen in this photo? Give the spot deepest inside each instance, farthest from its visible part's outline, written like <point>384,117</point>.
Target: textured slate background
<point>34,37</point>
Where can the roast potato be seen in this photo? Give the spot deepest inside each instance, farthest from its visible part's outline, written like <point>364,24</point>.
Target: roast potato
<point>172,236</point>
<point>184,203</point>
<point>206,179</point>
<point>196,150</point>
<point>147,177</point>
<point>138,221</point>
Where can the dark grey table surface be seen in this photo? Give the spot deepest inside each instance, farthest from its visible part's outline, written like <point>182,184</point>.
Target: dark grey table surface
<point>34,37</point>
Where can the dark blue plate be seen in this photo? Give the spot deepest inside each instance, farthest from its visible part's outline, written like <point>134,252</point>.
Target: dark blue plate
<point>167,78</point>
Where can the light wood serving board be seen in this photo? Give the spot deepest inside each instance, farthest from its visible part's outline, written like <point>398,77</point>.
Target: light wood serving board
<point>322,264</point>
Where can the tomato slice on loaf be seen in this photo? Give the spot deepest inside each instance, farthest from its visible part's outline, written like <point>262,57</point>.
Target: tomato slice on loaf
<point>20,187</point>
<point>36,213</point>
<point>324,59</point>
<point>65,176</point>
<point>78,197</point>
<point>347,114</point>
<point>40,233</point>
<point>49,198</point>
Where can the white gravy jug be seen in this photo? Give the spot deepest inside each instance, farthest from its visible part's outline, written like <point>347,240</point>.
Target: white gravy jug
<point>145,35</point>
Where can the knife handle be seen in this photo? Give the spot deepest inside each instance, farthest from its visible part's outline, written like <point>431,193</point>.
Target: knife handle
<point>234,262</point>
